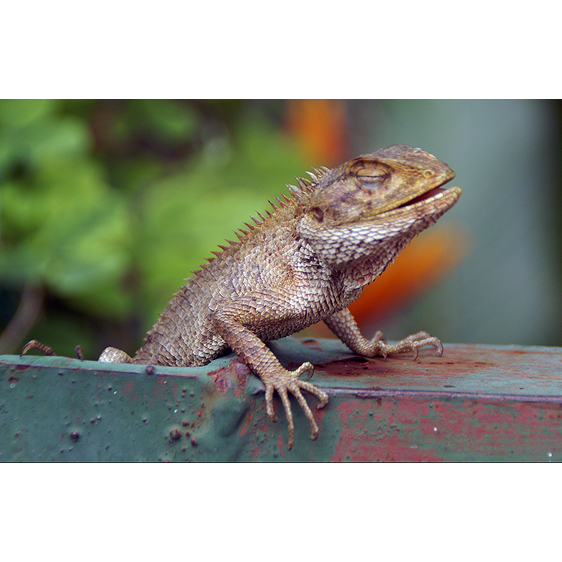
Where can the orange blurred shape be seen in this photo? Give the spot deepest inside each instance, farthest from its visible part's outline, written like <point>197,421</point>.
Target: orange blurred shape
<point>420,266</point>
<point>320,129</point>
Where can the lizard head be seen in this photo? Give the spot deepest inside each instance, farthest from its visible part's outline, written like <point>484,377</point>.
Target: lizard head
<point>393,193</point>
<point>374,184</point>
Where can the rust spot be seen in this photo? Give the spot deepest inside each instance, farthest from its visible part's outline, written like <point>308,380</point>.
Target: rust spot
<point>312,343</point>
<point>22,367</point>
<point>149,369</point>
<point>185,423</point>
<point>129,386</point>
<point>13,379</point>
<point>74,435</point>
<point>175,434</point>
<point>222,383</point>
<point>242,372</point>
<point>194,441</point>
<point>222,377</point>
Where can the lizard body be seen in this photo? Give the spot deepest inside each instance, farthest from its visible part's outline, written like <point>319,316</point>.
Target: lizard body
<point>304,262</point>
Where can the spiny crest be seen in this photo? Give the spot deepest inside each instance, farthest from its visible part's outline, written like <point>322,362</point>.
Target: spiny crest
<point>305,186</point>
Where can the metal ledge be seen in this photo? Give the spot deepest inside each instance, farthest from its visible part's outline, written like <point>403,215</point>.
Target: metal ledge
<point>476,403</point>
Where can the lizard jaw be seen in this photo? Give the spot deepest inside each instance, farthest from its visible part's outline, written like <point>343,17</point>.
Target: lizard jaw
<point>433,199</point>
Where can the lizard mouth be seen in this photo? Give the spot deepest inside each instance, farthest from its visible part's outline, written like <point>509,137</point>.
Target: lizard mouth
<point>427,195</point>
<point>434,201</point>
<point>438,192</point>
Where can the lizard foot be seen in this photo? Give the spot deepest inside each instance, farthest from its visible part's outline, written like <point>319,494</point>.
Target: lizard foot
<point>34,344</point>
<point>288,381</point>
<point>411,343</point>
<point>46,350</point>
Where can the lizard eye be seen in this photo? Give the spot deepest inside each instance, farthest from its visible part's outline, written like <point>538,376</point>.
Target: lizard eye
<point>371,179</point>
<point>317,213</point>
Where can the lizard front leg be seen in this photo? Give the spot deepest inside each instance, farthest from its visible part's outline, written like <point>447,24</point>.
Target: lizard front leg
<point>236,323</point>
<point>345,327</point>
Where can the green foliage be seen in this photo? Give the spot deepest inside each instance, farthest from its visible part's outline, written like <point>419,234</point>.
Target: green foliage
<point>109,205</point>
<point>62,225</point>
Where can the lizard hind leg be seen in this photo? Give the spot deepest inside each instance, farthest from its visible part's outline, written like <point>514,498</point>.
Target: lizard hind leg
<point>114,355</point>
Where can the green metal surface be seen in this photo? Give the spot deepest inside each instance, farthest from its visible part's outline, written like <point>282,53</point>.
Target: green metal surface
<point>477,403</point>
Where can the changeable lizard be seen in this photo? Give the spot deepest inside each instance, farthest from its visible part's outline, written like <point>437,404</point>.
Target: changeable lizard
<point>304,262</point>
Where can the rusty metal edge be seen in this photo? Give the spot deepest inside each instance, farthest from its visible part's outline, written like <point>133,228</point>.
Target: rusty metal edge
<point>448,395</point>
<point>194,372</point>
<point>77,365</point>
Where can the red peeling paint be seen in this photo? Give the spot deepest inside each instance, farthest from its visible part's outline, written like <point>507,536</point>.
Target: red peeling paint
<point>246,424</point>
<point>281,445</point>
<point>129,385</point>
<point>410,429</point>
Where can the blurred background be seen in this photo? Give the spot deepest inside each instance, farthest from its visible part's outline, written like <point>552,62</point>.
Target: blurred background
<point>107,205</point>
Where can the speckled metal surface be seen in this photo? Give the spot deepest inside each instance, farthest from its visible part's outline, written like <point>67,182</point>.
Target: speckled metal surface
<point>476,403</point>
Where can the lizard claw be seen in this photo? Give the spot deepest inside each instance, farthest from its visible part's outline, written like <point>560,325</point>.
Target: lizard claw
<point>269,403</point>
<point>415,342</point>
<point>303,369</point>
<point>288,381</point>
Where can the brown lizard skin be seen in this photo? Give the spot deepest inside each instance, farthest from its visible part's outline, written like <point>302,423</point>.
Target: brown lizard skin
<point>304,262</point>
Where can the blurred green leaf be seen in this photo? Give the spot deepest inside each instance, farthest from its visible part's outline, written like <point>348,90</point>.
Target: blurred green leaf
<point>42,141</point>
<point>19,113</point>
<point>170,120</point>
